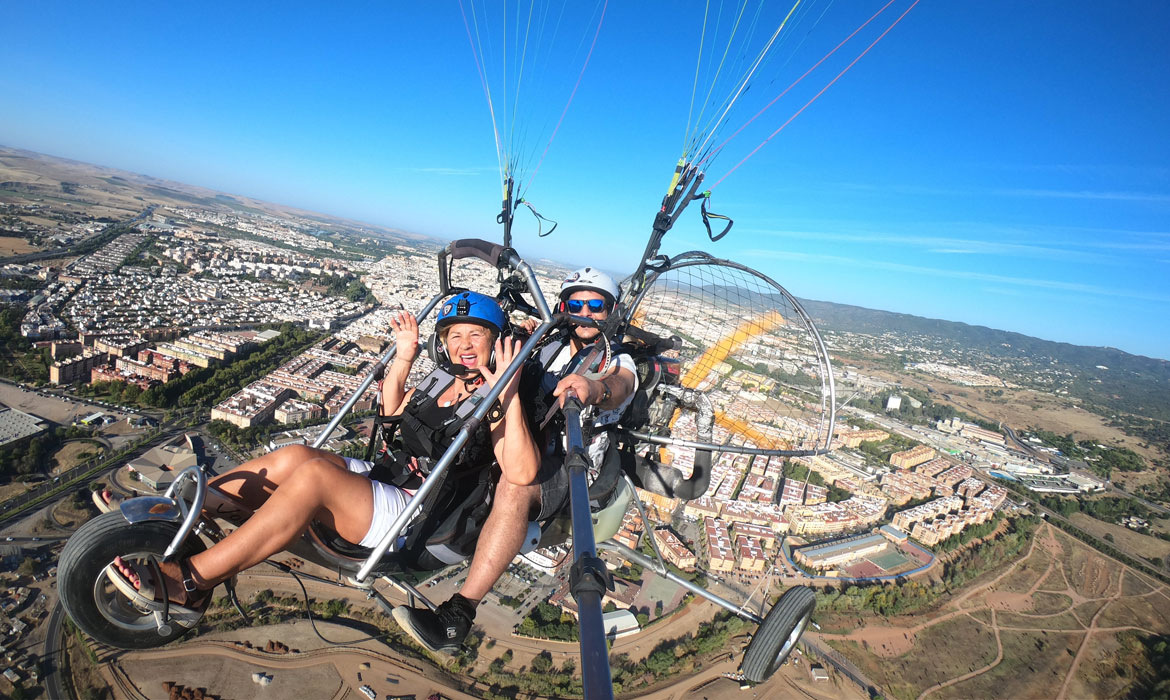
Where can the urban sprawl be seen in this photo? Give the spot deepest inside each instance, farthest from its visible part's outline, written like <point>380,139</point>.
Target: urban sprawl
<point>203,299</point>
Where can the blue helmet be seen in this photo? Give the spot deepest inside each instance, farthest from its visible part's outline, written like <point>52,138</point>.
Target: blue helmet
<point>471,307</point>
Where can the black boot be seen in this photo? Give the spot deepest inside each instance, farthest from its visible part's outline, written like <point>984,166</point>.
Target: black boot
<point>442,630</point>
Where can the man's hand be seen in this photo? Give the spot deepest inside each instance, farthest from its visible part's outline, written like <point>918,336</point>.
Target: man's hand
<point>405,334</point>
<point>588,391</point>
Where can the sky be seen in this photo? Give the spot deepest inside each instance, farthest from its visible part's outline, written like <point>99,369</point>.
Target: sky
<point>998,163</point>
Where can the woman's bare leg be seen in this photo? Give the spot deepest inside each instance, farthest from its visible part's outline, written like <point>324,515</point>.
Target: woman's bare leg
<point>318,489</point>
<point>251,483</point>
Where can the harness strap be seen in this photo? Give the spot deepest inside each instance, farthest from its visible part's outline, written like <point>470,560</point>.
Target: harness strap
<point>708,215</point>
<point>425,512</point>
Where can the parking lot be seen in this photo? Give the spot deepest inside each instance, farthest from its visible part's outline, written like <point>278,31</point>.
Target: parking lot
<point>58,409</point>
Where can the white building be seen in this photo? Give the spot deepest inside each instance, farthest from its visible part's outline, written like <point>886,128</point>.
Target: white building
<point>620,623</point>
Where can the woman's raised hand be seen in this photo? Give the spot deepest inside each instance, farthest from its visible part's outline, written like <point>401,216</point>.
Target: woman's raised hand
<point>505,352</point>
<point>405,334</point>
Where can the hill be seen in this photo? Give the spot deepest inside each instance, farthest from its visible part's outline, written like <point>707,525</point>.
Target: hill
<point>1132,391</point>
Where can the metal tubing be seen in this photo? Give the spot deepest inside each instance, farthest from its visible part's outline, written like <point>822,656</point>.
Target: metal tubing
<point>381,364</point>
<point>734,449</point>
<point>596,676</point>
<point>191,515</point>
<point>411,592</point>
<point>457,444</point>
<point>646,562</point>
<point>533,286</point>
<point>642,515</point>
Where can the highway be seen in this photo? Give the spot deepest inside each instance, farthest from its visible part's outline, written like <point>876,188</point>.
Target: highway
<point>54,655</point>
<point>1140,562</point>
<point>1156,507</point>
<point>23,258</point>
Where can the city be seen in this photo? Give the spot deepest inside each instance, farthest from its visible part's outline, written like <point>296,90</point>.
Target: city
<point>133,367</point>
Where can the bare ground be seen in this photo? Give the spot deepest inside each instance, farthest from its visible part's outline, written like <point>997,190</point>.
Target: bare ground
<point>1022,408</point>
<point>15,246</point>
<point>1032,643</point>
<point>70,454</point>
<point>1130,541</point>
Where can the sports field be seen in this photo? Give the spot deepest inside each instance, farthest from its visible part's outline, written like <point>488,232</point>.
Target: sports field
<point>890,561</point>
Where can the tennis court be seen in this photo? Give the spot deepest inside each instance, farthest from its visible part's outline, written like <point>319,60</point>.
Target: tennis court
<point>889,559</point>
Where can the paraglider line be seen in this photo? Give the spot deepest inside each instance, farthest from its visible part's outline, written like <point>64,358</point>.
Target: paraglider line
<point>796,82</point>
<point>814,98</point>
<point>486,88</point>
<point>698,64</point>
<point>747,78</point>
<point>727,50</point>
<point>571,96</point>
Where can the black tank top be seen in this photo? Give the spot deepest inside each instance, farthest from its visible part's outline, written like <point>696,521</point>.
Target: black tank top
<point>476,454</point>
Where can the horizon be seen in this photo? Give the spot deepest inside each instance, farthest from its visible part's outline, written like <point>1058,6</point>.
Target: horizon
<point>800,297</point>
<point>963,170</point>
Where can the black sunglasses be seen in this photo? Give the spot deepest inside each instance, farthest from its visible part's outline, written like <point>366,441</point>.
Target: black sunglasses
<point>575,306</point>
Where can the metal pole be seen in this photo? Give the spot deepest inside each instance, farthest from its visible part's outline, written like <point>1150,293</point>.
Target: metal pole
<point>648,563</point>
<point>588,579</point>
<point>507,213</point>
<point>734,449</point>
<point>374,372</point>
<point>448,457</point>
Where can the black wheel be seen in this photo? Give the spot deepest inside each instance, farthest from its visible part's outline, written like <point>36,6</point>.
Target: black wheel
<point>778,633</point>
<point>87,595</point>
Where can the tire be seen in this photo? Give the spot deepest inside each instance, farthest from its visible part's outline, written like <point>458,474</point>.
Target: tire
<point>88,597</point>
<point>778,633</point>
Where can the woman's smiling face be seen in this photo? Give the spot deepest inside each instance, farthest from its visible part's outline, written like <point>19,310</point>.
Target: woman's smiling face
<point>469,344</point>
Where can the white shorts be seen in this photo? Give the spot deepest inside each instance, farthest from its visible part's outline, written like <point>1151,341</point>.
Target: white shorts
<point>389,502</point>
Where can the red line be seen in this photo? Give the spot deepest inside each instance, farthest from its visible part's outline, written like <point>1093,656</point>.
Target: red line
<point>844,41</point>
<point>571,96</point>
<point>814,99</point>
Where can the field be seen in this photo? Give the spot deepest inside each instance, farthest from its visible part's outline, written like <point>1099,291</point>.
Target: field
<point>15,246</point>
<point>1022,408</point>
<point>1130,541</point>
<point>1039,627</point>
<point>73,453</point>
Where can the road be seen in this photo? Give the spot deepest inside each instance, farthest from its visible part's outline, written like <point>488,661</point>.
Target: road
<point>1099,543</point>
<point>1026,448</point>
<point>24,258</point>
<point>1158,508</point>
<point>53,655</point>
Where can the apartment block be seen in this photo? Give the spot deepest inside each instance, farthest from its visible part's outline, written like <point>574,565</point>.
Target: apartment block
<point>673,549</point>
<point>77,368</point>
<point>913,457</point>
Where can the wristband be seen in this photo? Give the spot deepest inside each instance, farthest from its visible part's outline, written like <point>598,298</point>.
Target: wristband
<point>605,396</point>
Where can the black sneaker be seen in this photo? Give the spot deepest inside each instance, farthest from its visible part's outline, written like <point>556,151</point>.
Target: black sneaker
<point>440,631</point>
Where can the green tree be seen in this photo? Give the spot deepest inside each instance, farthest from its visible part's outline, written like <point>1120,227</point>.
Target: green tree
<point>542,662</point>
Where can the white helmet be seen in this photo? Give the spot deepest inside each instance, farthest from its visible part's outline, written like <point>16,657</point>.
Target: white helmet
<point>592,279</point>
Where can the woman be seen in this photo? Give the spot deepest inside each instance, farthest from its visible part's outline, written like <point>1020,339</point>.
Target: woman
<point>295,485</point>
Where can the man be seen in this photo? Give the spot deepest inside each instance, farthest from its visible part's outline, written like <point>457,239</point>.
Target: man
<point>588,293</point>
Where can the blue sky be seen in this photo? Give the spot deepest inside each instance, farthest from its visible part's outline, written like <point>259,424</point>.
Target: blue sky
<point>993,162</point>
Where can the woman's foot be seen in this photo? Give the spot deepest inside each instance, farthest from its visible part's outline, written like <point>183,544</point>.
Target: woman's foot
<point>106,500</point>
<point>138,582</point>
